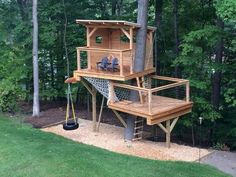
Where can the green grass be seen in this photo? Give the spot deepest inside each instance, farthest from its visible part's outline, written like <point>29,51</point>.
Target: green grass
<point>25,151</point>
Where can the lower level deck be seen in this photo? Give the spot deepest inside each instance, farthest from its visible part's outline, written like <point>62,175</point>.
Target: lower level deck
<point>111,75</point>
<point>163,108</point>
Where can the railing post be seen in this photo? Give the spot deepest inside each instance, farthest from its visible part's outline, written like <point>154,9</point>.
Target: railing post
<point>150,102</point>
<point>121,64</point>
<point>111,96</point>
<point>132,63</point>
<point>78,60</point>
<point>187,92</point>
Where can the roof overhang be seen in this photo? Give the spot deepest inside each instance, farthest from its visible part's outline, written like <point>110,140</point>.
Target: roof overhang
<point>112,24</point>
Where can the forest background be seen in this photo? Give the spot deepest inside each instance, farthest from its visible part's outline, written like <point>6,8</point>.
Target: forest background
<point>195,40</point>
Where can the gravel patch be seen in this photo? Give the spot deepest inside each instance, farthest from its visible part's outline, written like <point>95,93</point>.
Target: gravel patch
<point>110,137</point>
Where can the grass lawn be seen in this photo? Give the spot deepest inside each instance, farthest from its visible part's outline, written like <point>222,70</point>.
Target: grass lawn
<point>25,151</point>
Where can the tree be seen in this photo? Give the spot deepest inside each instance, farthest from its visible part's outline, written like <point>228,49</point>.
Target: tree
<point>140,53</point>
<point>35,61</point>
<point>158,41</point>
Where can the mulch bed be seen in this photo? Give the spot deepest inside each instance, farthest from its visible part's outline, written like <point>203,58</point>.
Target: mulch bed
<point>54,113</point>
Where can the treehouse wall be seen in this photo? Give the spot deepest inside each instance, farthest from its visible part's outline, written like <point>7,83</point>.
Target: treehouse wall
<point>111,39</point>
<point>100,39</point>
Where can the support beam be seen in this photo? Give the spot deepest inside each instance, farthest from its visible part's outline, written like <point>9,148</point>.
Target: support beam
<point>100,113</point>
<point>94,103</point>
<point>125,32</point>
<point>131,42</point>
<point>92,32</point>
<point>168,129</point>
<point>187,91</point>
<point>162,127</point>
<point>78,60</point>
<point>173,124</point>
<point>87,87</point>
<point>121,64</point>
<point>168,133</point>
<point>120,118</point>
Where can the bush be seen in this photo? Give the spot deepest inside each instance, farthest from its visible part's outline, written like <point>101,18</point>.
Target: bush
<point>9,94</point>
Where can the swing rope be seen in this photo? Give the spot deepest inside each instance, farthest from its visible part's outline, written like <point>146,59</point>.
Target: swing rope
<point>67,125</point>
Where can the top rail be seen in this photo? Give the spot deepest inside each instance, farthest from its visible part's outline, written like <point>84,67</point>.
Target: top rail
<point>101,49</point>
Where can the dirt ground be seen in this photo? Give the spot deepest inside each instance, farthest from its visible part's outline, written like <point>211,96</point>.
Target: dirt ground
<point>110,137</point>
<point>55,114</point>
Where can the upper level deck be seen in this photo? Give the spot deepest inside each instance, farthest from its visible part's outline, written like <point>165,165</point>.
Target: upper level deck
<point>112,39</point>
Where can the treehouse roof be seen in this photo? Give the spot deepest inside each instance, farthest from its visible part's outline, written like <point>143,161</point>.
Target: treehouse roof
<point>112,24</point>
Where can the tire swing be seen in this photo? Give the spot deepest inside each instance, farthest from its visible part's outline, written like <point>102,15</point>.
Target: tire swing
<point>70,124</point>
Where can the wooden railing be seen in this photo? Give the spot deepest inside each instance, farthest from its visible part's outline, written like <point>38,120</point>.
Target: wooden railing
<point>120,53</point>
<point>149,92</point>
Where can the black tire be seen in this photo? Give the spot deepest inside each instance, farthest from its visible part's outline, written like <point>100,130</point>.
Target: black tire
<point>70,126</point>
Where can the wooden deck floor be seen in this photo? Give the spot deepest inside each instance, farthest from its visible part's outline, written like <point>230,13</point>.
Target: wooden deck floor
<point>97,73</point>
<point>163,108</point>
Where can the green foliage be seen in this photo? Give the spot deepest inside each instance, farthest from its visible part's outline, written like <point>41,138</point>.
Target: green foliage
<point>226,10</point>
<point>8,96</point>
<point>198,37</point>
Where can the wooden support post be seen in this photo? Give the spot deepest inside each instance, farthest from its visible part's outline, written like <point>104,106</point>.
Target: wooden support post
<point>168,133</point>
<point>173,123</point>
<point>187,91</point>
<point>100,113</point>
<point>88,37</point>
<point>87,87</point>
<point>94,102</point>
<point>131,44</point>
<point>168,129</point>
<point>88,45</point>
<point>111,94</point>
<point>78,60</point>
<point>132,63</point>
<point>121,64</point>
<point>120,118</point>
<point>150,102</point>
<point>126,33</point>
<point>140,92</point>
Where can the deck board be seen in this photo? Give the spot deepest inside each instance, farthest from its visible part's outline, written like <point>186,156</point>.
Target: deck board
<point>163,108</point>
<point>98,73</point>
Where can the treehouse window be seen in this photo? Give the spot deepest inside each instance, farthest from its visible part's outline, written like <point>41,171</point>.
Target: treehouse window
<point>98,39</point>
<point>124,38</point>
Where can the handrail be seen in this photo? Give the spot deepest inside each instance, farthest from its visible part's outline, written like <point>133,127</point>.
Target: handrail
<point>130,87</point>
<point>150,91</point>
<point>167,78</point>
<point>164,87</point>
<point>101,49</point>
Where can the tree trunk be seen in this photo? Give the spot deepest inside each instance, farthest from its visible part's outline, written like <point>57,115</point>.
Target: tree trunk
<point>176,41</point>
<point>35,61</point>
<point>113,8</point>
<point>158,42</point>
<point>216,79</point>
<point>176,36</point>
<point>116,7</point>
<point>140,53</point>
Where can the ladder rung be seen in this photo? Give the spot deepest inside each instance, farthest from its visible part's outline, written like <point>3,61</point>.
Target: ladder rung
<point>139,133</point>
<point>138,121</point>
<point>139,138</point>
<point>138,127</point>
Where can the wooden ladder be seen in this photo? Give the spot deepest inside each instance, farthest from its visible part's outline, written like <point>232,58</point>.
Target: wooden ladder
<point>141,83</point>
<point>138,128</point>
<point>139,122</point>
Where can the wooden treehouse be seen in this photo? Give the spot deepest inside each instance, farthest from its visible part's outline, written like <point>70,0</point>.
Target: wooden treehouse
<point>116,40</point>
